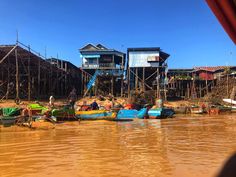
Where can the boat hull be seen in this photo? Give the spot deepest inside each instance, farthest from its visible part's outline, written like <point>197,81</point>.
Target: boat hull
<point>129,114</point>
<point>94,115</point>
<point>219,110</point>
<point>8,121</point>
<point>181,110</point>
<point>64,114</point>
<point>196,110</point>
<point>230,101</point>
<point>160,113</point>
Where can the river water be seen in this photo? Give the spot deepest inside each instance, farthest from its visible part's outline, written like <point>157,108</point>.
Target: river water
<point>182,146</point>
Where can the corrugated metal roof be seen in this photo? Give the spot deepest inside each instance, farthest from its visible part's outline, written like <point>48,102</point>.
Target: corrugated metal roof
<point>211,68</point>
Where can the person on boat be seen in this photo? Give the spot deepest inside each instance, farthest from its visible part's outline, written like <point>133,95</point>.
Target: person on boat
<point>159,104</point>
<point>72,98</point>
<point>51,101</point>
<point>85,106</point>
<point>94,105</point>
<point>109,105</point>
<point>128,104</point>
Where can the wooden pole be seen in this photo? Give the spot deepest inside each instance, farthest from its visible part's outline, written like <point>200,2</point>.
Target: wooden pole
<point>158,86</point>
<point>122,76</point>
<point>112,86</point>
<point>200,90</point>
<point>128,82</point>
<point>51,79</point>
<point>143,79</point>
<point>227,77</point>
<point>66,79</point>
<point>39,77</point>
<point>17,75</point>
<point>136,79</point>
<point>62,81</point>
<point>57,82</point>
<point>8,78</point>
<point>122,85</point>
<point>29,77</point>
<point>82,85</point>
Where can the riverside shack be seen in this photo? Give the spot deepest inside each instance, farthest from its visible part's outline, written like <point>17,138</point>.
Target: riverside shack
<point>147,70</point>
<point>102,70</point>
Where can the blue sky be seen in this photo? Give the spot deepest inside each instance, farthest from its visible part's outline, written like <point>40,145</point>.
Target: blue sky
<point>186,29</point>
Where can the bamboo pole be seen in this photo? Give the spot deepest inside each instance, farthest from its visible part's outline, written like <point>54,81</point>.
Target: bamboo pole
<point>39,77</point>
<point>29,77</point>
<point>17,74</point>
<point>158,86</point>
<point>112,86</point>
<point>128,82</point>
<point>136,79</point>
<point>8,78</point>
<point>143,79</point>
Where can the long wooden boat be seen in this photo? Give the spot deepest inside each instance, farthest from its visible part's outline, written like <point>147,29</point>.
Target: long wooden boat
<point>160,113</point>
<point>9,115</point>
<point>8,121</point>
<point>36,109</point>
<point>230,101</point>
<point>233,109</point>
<point>64,114</point>
<point>181,110</point>
<point>129,114</point>
<point>94,115</point>
<point>196,110</point>
<point>219,110</point>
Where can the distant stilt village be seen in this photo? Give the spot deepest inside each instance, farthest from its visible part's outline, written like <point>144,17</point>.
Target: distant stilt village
<point>28,75</point>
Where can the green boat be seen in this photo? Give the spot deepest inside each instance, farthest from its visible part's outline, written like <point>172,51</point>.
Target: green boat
<point>9,115</point>
<point>65,113</point>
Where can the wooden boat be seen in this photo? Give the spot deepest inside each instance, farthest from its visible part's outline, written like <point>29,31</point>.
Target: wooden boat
<point>196,110</point>
<point>181,110</point>
<point>66,113</point>
<point>130,114</point>
<point>36,109</point>
<point>9,116</point>
<point>94,115</point>
<point>233,109</point>
<point>160,113</point>
<point>8,121</point>
<point>36,122</point>
<point>230,101</point>
<point>216,109</point>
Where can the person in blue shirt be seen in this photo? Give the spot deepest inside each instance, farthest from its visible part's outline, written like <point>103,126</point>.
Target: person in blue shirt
<point>94,105</point>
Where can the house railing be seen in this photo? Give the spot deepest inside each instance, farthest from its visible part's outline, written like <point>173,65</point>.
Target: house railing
<point>101,65</point>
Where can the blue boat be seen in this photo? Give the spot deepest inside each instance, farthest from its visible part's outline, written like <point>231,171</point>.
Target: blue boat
<point>95,115</point>
<point>130,114</point>
<point>160,113</point>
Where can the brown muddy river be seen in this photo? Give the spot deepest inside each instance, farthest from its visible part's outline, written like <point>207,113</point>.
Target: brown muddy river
<point>184,146</point>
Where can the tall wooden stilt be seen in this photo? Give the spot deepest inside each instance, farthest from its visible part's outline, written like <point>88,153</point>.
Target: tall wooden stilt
<point>122,85</point>
<point>82,83</point>
<point>8,78</point>
<point>143,79</point>
<point>17,75</point>
<point>158,86</point>
<point>39,78</point>
<point>29,77</point>
<point>136,79</point>
<point>128,82</point>
<point>112,86</point>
